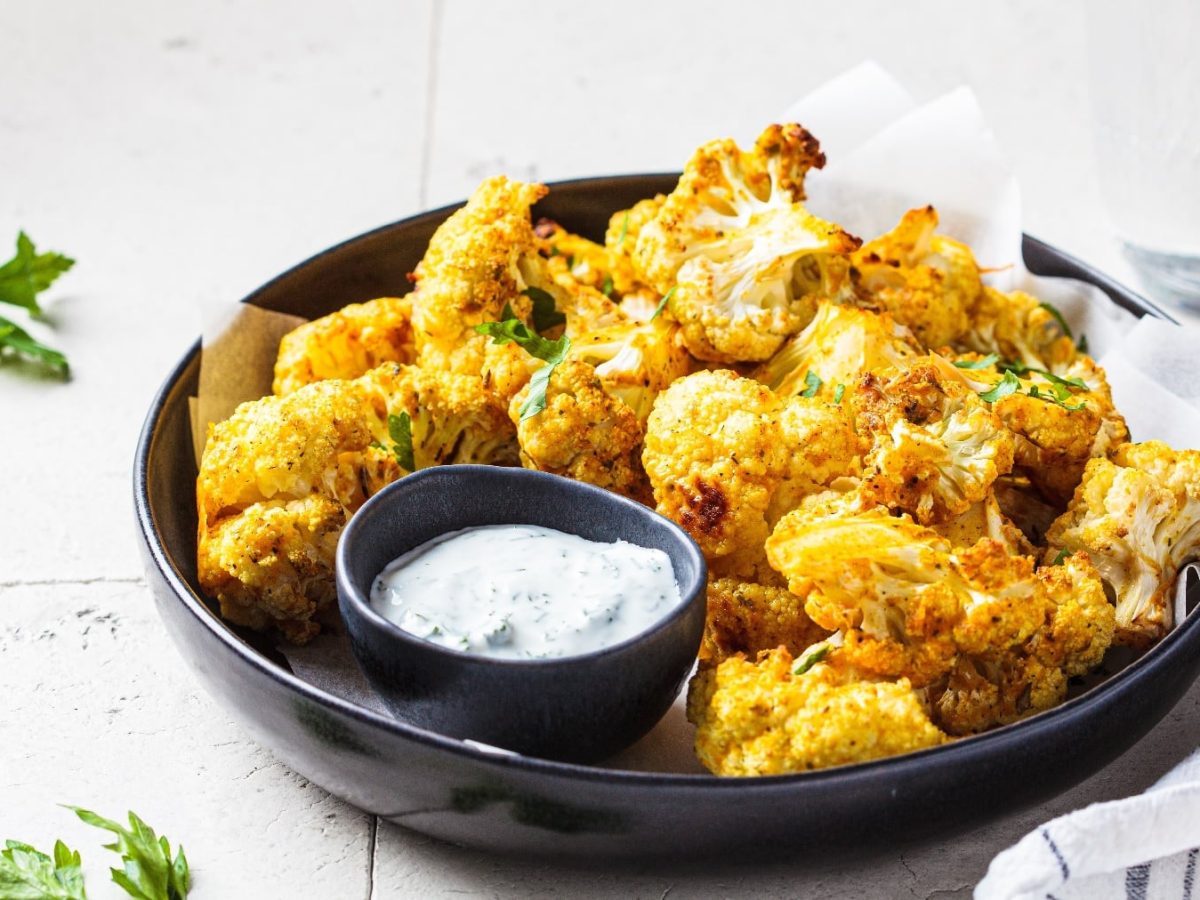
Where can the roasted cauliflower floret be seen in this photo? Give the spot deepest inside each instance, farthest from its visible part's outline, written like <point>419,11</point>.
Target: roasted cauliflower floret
<point>744,261</point>
<point>635,361</point>
<point>744,617</point>
<point>926,281</point>
<point>722,450</point>
<point>480,261</point>
<point>346,343</point>
<point>936,447</point>
<point>281,477</point>
<point>583,433</point>
<point>1019,328</point>
<point>985,519</point>
<point>1138,518</point>
<point>839,345</point>
<point>759,718</point>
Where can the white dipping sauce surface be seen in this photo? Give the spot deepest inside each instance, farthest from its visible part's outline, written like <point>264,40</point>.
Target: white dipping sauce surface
<point>525,592</point>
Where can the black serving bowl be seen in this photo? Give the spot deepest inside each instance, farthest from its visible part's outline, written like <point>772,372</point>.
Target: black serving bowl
<point>446,788</point>
<point>580,708</point>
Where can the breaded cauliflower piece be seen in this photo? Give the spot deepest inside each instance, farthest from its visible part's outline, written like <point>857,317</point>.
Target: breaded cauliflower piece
<point>280,478</point>
<point>744,261</point>
<point>839,345</point>
<point>583,433</point>
<point>936,447</point>
<point>758,718</point>
<point>481,260</point>
<point>346,343</point>
<point>926,281</point>
<point>1018,327</point>
<point>744,617</point>
<point>721,451</point>
<point>1138,518</point>
<point>635,361</point>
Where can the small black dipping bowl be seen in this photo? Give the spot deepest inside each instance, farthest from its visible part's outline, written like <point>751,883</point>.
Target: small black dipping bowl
<point>579,708</point>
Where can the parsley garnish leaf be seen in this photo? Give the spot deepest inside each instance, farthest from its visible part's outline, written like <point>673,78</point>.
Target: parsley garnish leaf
<point>1082,345</point>
<point>1009,384</point>
<point>985,363</point>
<point>29,874</point>
<point>29,273</point>
<point>512,330</point>
<point>545,312</point>
<point>1058,316</point>
<point>150,872</point>
<point>814,384</point>
<point>838,393</point>
<point>811,657</point>
<point>662,304</point>
<point>1058,560</point>
<point>400,431</point>
<point>607,288</point>
<point>15,340</point>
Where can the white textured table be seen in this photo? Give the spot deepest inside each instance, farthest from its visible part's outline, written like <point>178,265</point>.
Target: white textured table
<point>185,152</point>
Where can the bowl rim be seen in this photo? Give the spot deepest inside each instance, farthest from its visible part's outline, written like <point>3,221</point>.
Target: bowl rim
<point>979,746</point>
<point>357,529</point>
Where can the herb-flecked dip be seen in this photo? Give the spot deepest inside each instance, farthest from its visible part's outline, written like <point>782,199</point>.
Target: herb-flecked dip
<point>525,591</point>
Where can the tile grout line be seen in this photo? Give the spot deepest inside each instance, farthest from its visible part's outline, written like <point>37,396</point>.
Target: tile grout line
<point>371,858</point>
<point>435,31</point>
<point>55,582</point>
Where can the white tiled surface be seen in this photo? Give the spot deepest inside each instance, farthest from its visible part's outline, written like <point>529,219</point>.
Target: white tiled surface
<point>184,152</point>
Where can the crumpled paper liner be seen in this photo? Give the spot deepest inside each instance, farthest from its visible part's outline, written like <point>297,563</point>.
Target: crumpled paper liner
<point>887,154</point>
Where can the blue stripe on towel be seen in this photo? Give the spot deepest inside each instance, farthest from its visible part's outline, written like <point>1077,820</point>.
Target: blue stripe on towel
<point>1189,874</point>
<point>1066,872</point>
<point>1137,882</point>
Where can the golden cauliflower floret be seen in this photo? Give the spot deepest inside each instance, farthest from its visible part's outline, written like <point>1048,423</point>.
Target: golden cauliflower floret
<point>1083,622</point>
<point>583,433</point>
<point>744,617</point>
<point>277,482</point>
<point>758,718</point>
<point>936,447</point>
<point>986,519</point>
<point>926,281</point>
<point>723,452</point>
<point>1019,328</point>
<point>839,345</point>
<point>346,344</point>
<point>624,228</point>
<point>1138,518</point>
<point>480,261</point>
<point>745,263</point>
<point>635,361</point>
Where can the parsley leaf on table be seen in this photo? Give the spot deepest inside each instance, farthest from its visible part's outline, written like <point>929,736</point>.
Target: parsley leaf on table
<point>29,273</point>
<point>150,872</point>
<point>15,340</point>
<point>28,874</point>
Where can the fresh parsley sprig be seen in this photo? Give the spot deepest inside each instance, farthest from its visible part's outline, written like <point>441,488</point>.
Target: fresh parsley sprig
<point>1009,384</point>
<point>16,341</point>
<point>1058,317</point>
<point>545,311</point>
<point>22,278</point>
<point>985,362</point>
<point>29,873</point>
<point>811,657</point>
<point>511,330</point>
<point>838,393</point>
<point>150,872</point>
<point>662,304</point>
<point>814,384</point>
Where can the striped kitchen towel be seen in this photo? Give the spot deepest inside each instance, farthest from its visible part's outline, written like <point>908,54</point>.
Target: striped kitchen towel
<point>1139,848</point>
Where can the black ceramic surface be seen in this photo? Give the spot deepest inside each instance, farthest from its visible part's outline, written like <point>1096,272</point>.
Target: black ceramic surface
<point>580,708</point>
<point>441,787</point>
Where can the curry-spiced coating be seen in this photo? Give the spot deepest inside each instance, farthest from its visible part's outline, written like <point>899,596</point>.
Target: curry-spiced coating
<point>745,617</point>
<point>346,343</point>
<point>281,477</point>
<point>583,433</point>
<point>726,457</point>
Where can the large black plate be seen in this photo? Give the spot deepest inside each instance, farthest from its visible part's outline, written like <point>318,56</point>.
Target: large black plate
<point>450,790</point>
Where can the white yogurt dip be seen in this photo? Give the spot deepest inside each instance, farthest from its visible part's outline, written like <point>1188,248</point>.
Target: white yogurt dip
<point>525,592</point>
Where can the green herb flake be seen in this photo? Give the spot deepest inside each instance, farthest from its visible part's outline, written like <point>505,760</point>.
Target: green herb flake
<point>400,431</point>
<point>1082,344</point>
<point>607,288</point>
<point>624,231</point>
<point>545,311</point>
<point>1009,384</point>
<point>838,393</point>
<point>985,363</point>
<point>571,262</point>
<point>512,330</point>
<point>662,304</point>
<point>1058,559</point>
<point>1058,317</point>
<point>811,657</point>
<point>29,273</point>
<point>150,872</point>
<point>16,341</point>
<point>814,384</point>
<point>29,873</point>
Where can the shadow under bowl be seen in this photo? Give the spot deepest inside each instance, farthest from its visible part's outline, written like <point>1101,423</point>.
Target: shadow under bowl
<point>579,708</point>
